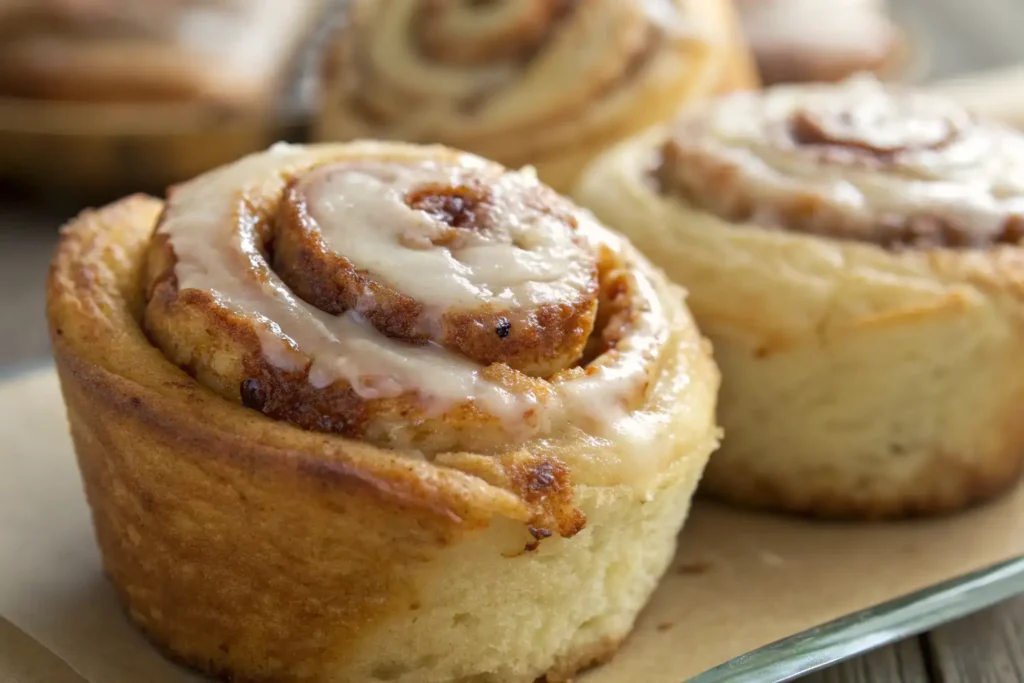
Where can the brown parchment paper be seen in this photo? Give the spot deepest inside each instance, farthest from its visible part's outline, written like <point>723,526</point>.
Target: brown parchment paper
<point>741,580</point>
<point>24,660</point>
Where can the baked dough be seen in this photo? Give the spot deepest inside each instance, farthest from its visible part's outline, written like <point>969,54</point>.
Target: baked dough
<point>284,493</point>
<point>853,252</point>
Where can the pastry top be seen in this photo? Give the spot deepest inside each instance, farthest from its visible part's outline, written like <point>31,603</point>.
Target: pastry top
<point>425,300</point>
<point>520,82</point>
<point>856,160</point>
<point>863,205</point>
<point>223,51</point>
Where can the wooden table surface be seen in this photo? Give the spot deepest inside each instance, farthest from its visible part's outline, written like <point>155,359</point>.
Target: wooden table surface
<point>959,36</point>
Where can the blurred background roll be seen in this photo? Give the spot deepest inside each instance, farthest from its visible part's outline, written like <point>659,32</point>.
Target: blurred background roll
<point>99,97</point>
<point>543,82</point>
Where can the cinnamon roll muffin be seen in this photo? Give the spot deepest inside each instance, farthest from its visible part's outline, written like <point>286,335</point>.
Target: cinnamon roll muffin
<point>542,82</point>
<point>377,412</point>
<point>820,40</point>
<point>853,252</point>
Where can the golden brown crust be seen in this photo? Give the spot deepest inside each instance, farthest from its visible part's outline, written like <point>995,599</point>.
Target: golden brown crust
<point>572,664</point>
<point>198,475</point>
<point>152,518</point>
<point>940,482</point>
<point>944,484</point>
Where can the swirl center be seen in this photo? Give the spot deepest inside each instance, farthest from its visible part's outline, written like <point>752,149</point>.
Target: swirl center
<point>463,208</point>
<point>483,262</point>
<point>881,126</point>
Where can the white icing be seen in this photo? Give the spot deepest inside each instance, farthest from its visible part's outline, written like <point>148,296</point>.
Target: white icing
<point>361,212</point>
<point>215,253</point>
<point>952,166</point>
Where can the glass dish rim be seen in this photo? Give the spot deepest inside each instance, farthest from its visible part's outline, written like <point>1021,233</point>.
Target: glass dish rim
<point>873,627</point>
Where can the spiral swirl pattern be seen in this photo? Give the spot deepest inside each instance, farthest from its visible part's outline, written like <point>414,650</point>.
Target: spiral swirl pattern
<point>853,253</point>
<point>436,303</point>
<point>522,291</point>
<point>536,82</point>
<point>857,161</point>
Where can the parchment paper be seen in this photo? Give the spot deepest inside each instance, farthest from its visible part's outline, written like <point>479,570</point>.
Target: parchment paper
<point>741,580</point>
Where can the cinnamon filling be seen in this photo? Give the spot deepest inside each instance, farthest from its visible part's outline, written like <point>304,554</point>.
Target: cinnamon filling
<point>854,161</point>
<point>860,133</point>
<point>439,260</point>
<point>462,207</point>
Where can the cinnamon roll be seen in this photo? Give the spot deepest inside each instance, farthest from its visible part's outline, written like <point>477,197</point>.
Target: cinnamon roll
<point>377,412</point>
<point>853,252</point>
<point>229,53</point>
<point>541,82</point>
<point>821,40</point>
